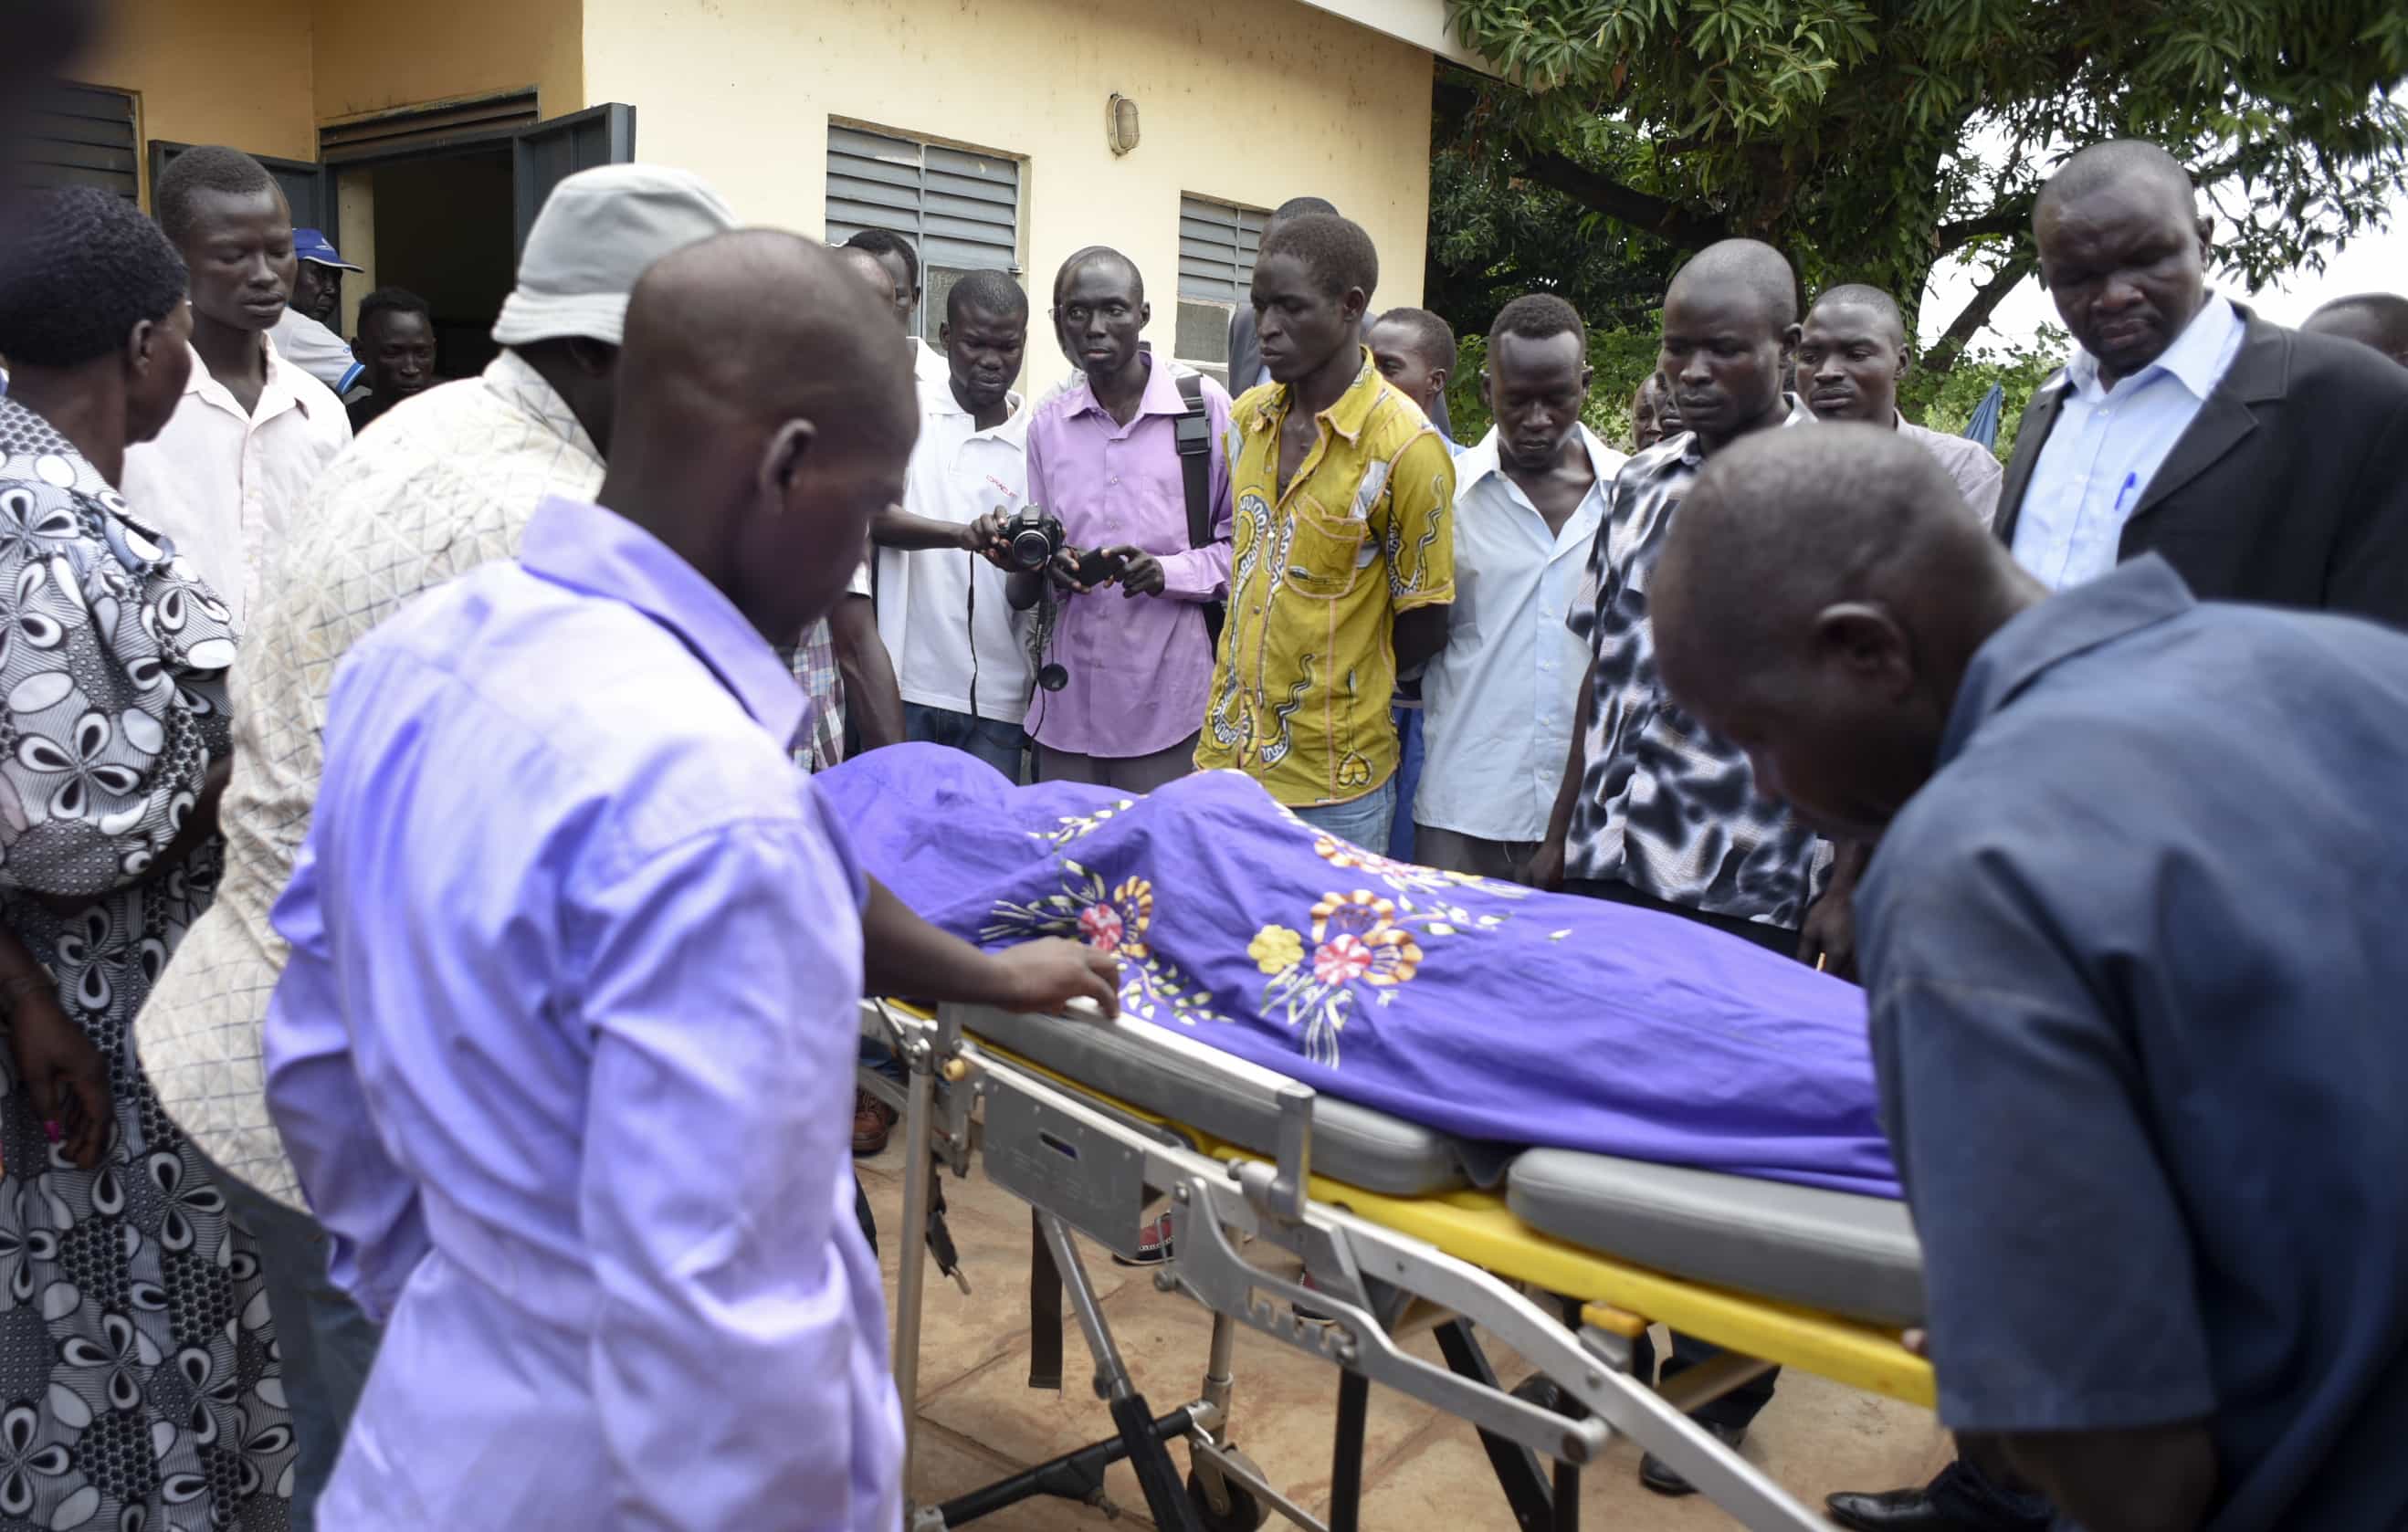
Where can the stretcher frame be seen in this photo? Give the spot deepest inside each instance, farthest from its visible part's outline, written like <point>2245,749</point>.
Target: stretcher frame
<point>1383,1269</point>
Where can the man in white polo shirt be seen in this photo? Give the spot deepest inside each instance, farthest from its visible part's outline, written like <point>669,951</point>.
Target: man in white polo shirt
<point>1500,698</point>
<point>961,653</point>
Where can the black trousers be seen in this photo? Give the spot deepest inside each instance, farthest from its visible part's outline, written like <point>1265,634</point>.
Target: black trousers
<point>1778,939</point>
<point>861,1210</point>
<point>1735,1410</point>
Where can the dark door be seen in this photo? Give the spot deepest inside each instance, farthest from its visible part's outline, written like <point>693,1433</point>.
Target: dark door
<point>308,186</point>
<point>551,153</point>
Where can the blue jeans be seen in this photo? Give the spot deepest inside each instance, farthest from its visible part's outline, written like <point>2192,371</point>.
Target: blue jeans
<point>879,1054</point>
<point>1364,821</point>
<point>999,745</point>
<point>326,1343</point>
<point>1408,781</point>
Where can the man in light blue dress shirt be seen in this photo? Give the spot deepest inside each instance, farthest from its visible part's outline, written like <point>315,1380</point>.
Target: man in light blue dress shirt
<point>1502,695</point>
<point>564,1047</point>
<point>2114,429</point>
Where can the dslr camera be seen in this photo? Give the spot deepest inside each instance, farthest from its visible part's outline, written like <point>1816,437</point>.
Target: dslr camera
<point>1032,536</point>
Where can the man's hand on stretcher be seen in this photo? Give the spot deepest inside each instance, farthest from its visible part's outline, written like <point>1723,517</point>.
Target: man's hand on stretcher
<point>905,957</point>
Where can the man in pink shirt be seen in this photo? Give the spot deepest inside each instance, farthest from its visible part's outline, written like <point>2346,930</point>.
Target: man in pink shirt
<point>1133,665</point>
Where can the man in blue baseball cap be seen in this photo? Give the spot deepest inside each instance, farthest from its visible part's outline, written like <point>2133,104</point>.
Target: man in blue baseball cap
<point>317,290</point>
<point>309,336</point>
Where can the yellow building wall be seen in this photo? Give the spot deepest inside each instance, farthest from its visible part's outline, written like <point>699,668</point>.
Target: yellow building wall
<point>262,75</point>
<point>372,55</point>
<point>209,73</point>
<point>1247,101</point>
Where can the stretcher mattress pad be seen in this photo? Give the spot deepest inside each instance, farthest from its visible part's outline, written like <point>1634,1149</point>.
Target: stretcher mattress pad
<point>1349,1143</point>
<point>1830,1251</point>
<point>1836,1252</point>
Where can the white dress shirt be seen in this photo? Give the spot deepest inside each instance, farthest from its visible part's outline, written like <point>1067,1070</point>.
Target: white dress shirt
<point>1500,698</point>
<point>316,351</point>
<point>223,485</point>
<point>928,364</point>
<point>2108,444</point>
<point>926,611</point>
<point>1975,468</point>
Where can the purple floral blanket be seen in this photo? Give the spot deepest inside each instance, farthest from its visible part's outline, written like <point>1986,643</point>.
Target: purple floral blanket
<point>1483,1010</point>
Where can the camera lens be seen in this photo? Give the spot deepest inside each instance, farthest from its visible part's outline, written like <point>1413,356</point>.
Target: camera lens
<point>1031,550</point>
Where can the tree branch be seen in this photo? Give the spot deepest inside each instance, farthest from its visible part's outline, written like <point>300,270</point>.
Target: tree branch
<point>1951,345</point>
<point>2010,218</point>
<point>1641,211</point>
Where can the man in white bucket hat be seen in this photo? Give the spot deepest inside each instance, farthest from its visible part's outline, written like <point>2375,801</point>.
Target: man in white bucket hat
<point>446,483</point>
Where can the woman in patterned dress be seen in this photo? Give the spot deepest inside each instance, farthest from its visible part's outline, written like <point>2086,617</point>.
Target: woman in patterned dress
<point>139,1386</point>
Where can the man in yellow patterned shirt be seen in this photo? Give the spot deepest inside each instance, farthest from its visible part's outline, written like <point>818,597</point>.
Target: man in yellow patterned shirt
<point>1342,553</point>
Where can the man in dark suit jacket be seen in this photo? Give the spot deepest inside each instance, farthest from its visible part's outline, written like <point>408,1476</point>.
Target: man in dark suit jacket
<point>2289,487</point>
<point>1246,355</point>
<point>2288,484</point>
<point>2264,464</point>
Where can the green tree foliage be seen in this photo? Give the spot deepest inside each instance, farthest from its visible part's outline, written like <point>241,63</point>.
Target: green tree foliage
<point>1946,401</point>
<point>1495,235</point>
<point>1871,138</point>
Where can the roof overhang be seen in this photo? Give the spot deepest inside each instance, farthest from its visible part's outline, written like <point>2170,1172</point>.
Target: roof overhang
<point>1420,23</point>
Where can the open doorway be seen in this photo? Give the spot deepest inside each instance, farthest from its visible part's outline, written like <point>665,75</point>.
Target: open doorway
<point>438,200</point>
<point>443,230</point>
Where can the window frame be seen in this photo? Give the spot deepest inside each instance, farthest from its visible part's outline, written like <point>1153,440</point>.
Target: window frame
<point>1217,268</point>
<point>951,218</point>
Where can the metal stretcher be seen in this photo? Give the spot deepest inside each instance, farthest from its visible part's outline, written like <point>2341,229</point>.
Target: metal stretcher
<point>1565,1260</point>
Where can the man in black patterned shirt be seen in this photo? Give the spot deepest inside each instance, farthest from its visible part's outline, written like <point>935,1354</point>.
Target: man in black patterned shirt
<point>1654,810</point>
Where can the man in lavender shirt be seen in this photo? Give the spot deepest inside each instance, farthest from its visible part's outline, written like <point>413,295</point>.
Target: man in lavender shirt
<point>1103,455</point>
<point>563,1051</point>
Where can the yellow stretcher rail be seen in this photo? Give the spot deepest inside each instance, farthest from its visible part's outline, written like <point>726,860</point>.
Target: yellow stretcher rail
<point>1477,1228</point>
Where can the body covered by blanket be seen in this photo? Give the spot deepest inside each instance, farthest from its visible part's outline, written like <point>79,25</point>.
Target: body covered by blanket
<point>1483,1010</point>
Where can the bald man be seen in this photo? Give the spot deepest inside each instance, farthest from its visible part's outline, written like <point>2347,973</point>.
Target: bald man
<point>1852,356</point>
<point>2263,463</point>
<point>843,664</point>
<point>563,1051</point>
<point>1652,811</point>
<point>2379,320</point>
<point>2141,1075</point>
<point>1646,813</point>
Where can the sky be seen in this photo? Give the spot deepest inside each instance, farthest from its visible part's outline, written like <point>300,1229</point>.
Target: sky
<point>2375,262</point>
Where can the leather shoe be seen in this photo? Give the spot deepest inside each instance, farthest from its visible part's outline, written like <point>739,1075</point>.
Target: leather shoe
<point>1664,1479</point>
<point>872,1121</point>
<point>1893,1510</point>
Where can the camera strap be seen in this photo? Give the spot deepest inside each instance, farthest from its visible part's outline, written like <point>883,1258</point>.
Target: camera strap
<point>1195,436</point>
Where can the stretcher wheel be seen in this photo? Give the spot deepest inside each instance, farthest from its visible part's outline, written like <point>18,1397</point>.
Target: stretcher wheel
<point>1540,1390</point>
<point>1245,1512</point>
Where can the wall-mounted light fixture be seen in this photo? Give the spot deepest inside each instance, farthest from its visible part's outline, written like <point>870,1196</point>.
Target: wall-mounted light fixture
<point>1120,124</point>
